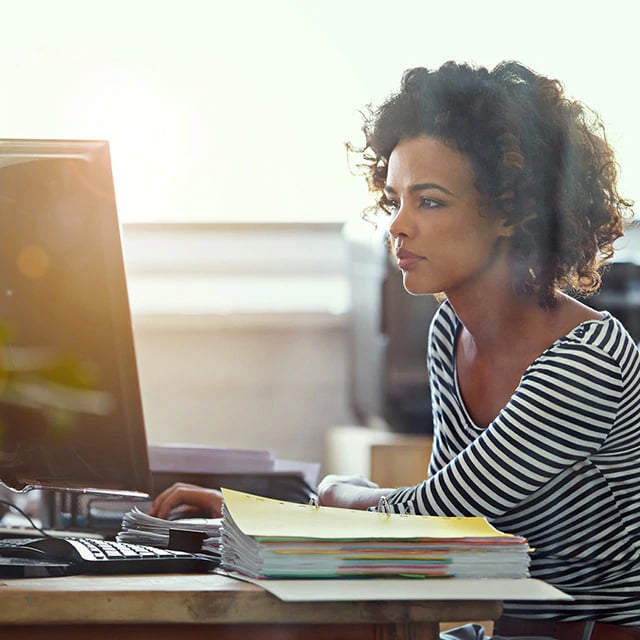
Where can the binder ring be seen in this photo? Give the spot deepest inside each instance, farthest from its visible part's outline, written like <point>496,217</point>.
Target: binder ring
<point>383,505</point>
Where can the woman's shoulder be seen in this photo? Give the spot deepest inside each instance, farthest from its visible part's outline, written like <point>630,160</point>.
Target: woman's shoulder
<point>602,332</point>
<point>603,338</point>
<point>573,324</point>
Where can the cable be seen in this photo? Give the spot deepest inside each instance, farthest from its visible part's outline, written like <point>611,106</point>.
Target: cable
<point>22,513</point>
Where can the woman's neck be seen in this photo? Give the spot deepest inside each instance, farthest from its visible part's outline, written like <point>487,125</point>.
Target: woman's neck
<point>496,320</point>
<point>508,324</point>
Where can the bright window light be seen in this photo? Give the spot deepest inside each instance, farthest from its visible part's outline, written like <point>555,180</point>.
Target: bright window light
<point>239,111</point>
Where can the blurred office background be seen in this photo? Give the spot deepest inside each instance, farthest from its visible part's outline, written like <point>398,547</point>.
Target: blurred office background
<point>261,302</point>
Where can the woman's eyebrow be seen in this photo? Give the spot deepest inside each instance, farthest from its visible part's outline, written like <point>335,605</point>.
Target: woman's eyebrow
<point>421,186</point>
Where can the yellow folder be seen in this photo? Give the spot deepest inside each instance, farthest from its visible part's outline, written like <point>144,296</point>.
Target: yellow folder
<point>266,518</point>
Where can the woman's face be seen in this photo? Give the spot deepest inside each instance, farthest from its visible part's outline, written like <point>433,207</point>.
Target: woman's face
<point>445,237</point>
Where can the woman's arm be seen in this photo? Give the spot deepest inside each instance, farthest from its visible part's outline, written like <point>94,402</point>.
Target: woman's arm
<point>351,492</point>
<point>561,413</point>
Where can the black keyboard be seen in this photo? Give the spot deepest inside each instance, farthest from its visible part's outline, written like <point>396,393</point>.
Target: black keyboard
<point>86,555</point>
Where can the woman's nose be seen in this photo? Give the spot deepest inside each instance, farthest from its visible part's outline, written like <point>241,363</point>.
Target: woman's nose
<point>399,224</point>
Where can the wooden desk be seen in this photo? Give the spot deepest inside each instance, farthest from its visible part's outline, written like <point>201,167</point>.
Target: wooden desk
<point>208,606</point>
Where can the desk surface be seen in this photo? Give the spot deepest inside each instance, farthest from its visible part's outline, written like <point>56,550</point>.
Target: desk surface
<point>216,601</point>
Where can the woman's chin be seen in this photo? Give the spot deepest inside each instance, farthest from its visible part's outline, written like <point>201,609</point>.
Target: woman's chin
<point>416,288</point>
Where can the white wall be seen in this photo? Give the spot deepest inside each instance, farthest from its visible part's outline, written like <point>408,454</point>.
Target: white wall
<point>248,383</point>
<point>241,333</point>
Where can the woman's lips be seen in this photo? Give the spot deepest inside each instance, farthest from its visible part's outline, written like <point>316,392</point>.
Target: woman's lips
<point>406,259</point>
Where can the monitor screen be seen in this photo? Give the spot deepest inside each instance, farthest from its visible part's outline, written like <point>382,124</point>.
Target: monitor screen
<point>70,407</point>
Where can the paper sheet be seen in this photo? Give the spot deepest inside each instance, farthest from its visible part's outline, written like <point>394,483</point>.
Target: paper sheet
<point>407,589</point>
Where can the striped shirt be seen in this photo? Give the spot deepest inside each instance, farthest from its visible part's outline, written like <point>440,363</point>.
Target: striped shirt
<point>559,465</point>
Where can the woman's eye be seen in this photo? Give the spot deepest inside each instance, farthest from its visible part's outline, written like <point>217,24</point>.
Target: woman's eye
<point>428,203</point>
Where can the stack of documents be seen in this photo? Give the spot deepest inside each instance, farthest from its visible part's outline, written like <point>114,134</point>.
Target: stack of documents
<point>204,459</point>
<point>265,538</point>
<point>141,528</point>
<point>179,458</point>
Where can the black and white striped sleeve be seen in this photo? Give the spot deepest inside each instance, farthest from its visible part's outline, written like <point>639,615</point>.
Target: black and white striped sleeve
<point>561,413</point>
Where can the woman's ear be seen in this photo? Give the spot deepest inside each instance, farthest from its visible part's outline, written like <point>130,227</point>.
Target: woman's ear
<point>506,229</point>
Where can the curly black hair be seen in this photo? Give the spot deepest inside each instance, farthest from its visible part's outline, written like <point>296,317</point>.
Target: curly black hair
<point>542,159</point>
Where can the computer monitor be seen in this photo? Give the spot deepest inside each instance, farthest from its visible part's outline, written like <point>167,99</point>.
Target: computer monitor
<point>70,408</point>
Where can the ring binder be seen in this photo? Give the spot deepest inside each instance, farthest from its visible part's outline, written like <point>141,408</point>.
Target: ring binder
<point>266,538</point>
<point>383,506</point>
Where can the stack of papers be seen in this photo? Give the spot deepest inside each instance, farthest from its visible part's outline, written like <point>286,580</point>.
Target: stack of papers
<point>141,528</point>
<point>264,538</point>
<point>179,458</point>
<point>204,459</point>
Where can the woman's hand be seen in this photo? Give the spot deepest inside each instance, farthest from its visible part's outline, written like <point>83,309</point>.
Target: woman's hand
<point>190,498</point>
<point>352,492</point>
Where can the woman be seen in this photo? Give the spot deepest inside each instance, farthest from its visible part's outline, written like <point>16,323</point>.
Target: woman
<point>502,197</point>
